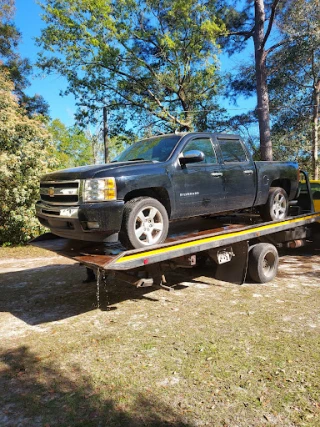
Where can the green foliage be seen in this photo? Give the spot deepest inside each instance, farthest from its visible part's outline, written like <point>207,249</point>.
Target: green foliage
<point>19,69</point>
<point>23,159</point>
<point>293,73</point>
<point>70,146</point>
<point>154,57</point>
<point>294,81</point>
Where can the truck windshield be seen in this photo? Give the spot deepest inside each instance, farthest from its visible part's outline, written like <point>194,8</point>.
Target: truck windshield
<point>157,148</point>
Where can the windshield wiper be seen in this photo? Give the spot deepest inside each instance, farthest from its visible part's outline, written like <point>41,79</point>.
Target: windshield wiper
<point>138,158</point>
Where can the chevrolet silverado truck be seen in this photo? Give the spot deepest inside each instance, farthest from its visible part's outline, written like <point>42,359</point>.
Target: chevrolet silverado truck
<point>162,179</point>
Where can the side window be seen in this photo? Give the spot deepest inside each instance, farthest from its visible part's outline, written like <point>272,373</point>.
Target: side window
<point>232,151</point>
<point>204,145</point>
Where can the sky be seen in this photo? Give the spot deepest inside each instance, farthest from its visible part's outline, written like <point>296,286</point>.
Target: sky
<point>28,21</point>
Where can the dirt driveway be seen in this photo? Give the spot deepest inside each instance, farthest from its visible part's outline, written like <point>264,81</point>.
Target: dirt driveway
<point>207,353</point>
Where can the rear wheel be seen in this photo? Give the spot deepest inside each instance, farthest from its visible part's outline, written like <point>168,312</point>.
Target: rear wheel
<point>263,262</point>
<point>277,205</point>
<point>145,223</point>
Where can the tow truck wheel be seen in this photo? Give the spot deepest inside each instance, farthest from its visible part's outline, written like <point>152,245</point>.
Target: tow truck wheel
<point>145,223</point>
<point>263,262</point>
<point>277,205</point>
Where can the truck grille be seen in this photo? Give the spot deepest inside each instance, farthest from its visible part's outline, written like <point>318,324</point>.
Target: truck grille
<point>60,192</point>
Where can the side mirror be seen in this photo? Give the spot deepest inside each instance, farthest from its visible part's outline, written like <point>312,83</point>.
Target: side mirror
<point>192,156</point>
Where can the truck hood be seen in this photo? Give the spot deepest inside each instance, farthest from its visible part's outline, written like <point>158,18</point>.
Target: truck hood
<point>99,171</point>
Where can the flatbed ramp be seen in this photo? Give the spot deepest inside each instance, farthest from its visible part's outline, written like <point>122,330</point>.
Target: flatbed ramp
<point>225,243</point>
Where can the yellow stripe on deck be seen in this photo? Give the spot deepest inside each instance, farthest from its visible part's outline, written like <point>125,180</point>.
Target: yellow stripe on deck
<point>221,237</point>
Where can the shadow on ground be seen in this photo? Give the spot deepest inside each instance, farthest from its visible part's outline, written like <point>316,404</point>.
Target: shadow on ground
<point>56,292</point>
<point>36,393</point>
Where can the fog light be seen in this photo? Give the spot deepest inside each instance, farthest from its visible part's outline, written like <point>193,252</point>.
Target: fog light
<point>92,225</point>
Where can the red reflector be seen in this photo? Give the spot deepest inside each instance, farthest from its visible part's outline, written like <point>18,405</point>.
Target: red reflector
<point>146,261</point>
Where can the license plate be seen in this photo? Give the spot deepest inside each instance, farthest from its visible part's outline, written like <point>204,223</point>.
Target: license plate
<point>224,256</point>
<point>69,212</point>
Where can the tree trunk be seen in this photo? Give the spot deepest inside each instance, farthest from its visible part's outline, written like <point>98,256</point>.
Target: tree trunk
<point>105,135</point>
<point>315,130</point>
<point>261,80</point>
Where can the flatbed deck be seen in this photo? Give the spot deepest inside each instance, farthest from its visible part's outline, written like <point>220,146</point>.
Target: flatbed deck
<point>207,234</point>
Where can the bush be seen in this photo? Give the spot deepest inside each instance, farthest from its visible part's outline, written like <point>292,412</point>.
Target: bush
<point>24,144</point>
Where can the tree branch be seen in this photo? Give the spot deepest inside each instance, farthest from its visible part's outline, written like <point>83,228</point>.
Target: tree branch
<point>246,34</point>
<point>147,66</point>
<point>155,113</point>
<point>271,20</point>
<point>163,108</point>
<point>299,84</point>
<point>275,46</point>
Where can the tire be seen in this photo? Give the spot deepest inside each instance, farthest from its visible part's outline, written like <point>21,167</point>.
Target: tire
<point>277,205</point>
<point>263,262</point>
<point>145,223</point>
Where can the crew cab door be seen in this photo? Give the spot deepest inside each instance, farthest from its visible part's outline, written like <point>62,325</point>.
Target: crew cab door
<point>238,172</point>
<point>198,187</point>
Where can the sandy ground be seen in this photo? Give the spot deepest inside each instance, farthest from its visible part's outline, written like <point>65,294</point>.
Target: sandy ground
<point>207,353</point>
<point>38,292</point>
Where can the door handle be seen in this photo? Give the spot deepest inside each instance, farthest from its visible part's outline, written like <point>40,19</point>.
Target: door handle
<point>216,174</point>
<point>248,172</point>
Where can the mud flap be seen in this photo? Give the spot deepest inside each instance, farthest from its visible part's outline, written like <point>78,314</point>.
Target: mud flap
<point>231,262</point>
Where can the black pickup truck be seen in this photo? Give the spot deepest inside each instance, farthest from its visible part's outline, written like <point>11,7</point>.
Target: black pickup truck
<point>161,179</point>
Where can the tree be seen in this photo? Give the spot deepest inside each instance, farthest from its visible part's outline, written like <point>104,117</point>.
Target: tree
<point>19,69</point>
<point>294,81</point>
<point>256,21</point>
<point>71,147</point>
<point>151,59</point>
<point>23,159</point>
<point>96,144</point>
<point>8,33</point>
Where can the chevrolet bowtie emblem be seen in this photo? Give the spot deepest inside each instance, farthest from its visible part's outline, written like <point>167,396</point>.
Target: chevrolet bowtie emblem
<point>51,191</point>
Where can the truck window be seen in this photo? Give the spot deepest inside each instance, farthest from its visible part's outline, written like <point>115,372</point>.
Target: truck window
<point>232,151</point>
<point>204,145</point>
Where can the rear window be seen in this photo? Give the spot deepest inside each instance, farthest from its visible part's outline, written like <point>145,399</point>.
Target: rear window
<point>232,151</point>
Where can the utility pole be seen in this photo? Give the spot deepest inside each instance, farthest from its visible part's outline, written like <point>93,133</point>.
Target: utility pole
<point>105,134</point>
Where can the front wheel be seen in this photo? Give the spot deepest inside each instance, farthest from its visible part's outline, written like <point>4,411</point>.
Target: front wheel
<point>145,223</point>
<point>277,205</point>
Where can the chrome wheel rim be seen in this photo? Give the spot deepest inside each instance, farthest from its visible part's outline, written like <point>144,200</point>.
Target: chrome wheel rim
<point>148,225</point>
<point>279,206</point>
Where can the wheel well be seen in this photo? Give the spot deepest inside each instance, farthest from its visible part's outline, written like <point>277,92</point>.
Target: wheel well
<point>157,193</point>
<point>283,183</point>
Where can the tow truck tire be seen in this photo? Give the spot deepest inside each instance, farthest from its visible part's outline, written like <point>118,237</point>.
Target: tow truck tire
<point>277,205</point>
<point>263,262</point>
<point>145,223</point>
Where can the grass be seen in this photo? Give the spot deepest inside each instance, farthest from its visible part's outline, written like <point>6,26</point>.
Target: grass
<point>209,353</point>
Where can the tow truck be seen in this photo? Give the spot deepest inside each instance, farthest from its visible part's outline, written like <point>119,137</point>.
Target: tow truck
<point>238,246</point>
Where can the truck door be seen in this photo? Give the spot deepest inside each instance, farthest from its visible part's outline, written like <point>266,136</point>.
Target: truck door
<point>239,174</point>
<point>199,186</point>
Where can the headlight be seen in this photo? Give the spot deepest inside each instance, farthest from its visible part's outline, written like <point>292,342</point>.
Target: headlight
<point>99,190</point>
